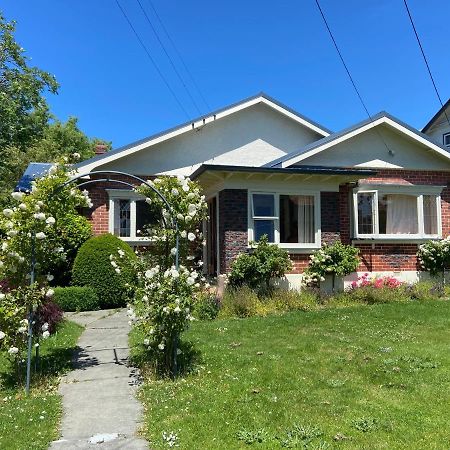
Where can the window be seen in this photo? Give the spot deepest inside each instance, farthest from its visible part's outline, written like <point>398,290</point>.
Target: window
<point>129,214</point>
<point>388,214</point>
<point>290,220</point>
<point>447,139</point>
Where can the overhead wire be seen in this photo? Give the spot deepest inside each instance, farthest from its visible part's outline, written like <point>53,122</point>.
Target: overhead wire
<point>180,78</point>
<point>425,59</point>
<point>349,74</point>
<point>155,65</point>
<point>180,57</point>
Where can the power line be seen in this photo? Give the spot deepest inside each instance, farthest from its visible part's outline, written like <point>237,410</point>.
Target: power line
<point>153,61</point>
<point>169,58</point>
<point>425,58</point>
<point>179,56</point>
<point>349,74</point>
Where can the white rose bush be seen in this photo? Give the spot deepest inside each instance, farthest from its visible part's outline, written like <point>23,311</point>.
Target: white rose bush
<point>164,299</point>
<point>434,257</point>
<point>29,235</point>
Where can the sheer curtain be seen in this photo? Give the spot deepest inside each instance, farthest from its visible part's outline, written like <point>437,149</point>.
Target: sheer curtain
<point>305,205</point>
<point>401,214</point>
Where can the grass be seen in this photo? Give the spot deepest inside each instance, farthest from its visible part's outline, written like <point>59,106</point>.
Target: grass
<point>368,377</point>
<point>32,422</point>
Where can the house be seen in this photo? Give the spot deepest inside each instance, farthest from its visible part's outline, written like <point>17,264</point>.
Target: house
<point>380,185</point>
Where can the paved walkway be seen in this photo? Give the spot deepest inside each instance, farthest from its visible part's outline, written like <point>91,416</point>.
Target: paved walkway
<point>100,410</point>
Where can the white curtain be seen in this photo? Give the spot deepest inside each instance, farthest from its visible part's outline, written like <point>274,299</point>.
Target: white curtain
<point>401,214</point>
<point>305,205</point>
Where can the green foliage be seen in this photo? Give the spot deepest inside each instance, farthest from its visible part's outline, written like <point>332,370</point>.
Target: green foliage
<point>76,298</point>
<point>92,267</point>
<point>336,259</point>
<point>206,307</point>
<point>258,268</point>
<point>434,256</point>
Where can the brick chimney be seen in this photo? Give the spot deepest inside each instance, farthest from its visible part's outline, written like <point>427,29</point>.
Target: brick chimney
<point>100,149</point>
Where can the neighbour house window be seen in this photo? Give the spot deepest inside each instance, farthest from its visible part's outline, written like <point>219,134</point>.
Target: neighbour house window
<point>129,214</point>
<point>389,214</point>
<point>447,139</point>
<point>289,220</point>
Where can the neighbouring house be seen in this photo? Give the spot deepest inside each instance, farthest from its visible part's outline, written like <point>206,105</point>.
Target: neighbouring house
<point>380,185</point>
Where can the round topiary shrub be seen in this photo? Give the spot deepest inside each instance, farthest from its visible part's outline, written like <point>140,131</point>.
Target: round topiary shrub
<point>92,267</point>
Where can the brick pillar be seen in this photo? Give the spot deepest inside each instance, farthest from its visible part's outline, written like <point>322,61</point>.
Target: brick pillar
<point>233,228</point>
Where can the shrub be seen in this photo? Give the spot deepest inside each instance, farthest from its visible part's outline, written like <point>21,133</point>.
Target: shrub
<point>258,268</point>
<point>239,302</point>
<point>48,313</point>
<point>76,298</point>
<point>434,256</point>
<point>337,259</point>
<point>206,307</point>
<point>92,267</point>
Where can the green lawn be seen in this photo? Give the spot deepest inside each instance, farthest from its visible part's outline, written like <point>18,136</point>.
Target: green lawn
<point>369,377</point>
<point>32,423</point>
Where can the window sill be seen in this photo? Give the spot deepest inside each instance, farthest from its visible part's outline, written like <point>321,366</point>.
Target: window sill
<point>136,240</point>
<point>294,250</point>
<point>399,240</point>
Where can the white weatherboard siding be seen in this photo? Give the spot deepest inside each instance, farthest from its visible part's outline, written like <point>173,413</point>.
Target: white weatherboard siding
<point>251,137</point>
<point>437,131</point>
<point>368,150</point>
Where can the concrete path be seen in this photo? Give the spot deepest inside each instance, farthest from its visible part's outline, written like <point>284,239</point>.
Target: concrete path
<point>100,410</point>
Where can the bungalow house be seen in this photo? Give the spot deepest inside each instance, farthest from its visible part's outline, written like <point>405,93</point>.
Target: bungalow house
<point>380,185</point>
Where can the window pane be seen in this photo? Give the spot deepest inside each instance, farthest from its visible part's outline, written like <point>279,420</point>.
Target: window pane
<point>122,218</point>
<point>447,140</point>
<point>264,227</point>
<point>263,205</point>
<point>146,216</point>
<point>297,219</point>
<point>398,214</point>
<point>365,213</point>
<point>430,214</point>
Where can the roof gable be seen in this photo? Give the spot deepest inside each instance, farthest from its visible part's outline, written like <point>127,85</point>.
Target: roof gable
<point>198,124</point>
<point>381,119</point>
<point>435,118</point>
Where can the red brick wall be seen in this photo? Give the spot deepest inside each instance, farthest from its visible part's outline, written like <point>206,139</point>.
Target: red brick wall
<point>330,217</point>
<point>233,229</point>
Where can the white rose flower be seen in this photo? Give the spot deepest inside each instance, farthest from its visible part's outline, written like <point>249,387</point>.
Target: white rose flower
<point>44,326</point>
<point>50,277</point>
<point>174,273</point>
<point>192,209</point>
<point>190,196</point>
<point>191,237</point>
<point>180,178</point>
<point>22,329</point>
<point>117,270</point>
<point>190,281</point>
<point>121,253</point>
<point>17,196</point>
<point>13,350</point>
<point>50,221</point>
<point>146,341</point>
<point>50,293</point>
<point>183,234</point>
<point>161,346</point>
<point>40,235</point>
<point>40,203</point>
<point>175,191</point>
<point>177,309</point>
<point>188,218</point>
<point>39,216</point>
<point>76,155</point>
<point>173,251</point>
<point>2,335</point>
<point>8,212</point>
<point>22,206</point>
<point>180,216</point>
<point>12,233</point>
<point>45,334</point>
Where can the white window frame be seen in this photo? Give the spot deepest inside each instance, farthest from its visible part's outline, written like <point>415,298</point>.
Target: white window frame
<point>443,140</point>
<point>417,191</point>
<point>276,218</point>
<point>124,194</point>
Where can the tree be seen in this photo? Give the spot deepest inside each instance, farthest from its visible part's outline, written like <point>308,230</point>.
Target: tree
<point>24,113</point>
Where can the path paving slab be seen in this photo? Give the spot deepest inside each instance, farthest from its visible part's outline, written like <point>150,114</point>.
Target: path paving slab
<point>99,405</point>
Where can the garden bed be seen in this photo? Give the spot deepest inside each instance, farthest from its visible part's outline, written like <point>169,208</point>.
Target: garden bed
<point>372,376</point>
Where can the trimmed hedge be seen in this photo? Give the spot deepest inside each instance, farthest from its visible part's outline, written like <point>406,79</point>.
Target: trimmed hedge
<point>76,298</point>
<point>92,267</point>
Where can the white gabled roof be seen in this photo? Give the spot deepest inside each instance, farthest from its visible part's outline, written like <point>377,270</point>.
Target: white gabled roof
<point>93,163</point>
<point>342,136</point>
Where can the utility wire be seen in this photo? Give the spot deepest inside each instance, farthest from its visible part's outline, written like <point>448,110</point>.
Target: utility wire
<point>153,61</point>
<point>349,74</point>
<point>169,57</point>
<point>179,55</point>
<point>425,58</point>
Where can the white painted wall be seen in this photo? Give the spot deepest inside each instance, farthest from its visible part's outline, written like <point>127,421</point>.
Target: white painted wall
<point>437,131</point>
<point>368,150</point>
<point>251,137</point>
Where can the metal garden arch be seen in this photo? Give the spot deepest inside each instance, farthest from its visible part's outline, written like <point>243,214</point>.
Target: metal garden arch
<point>107,174</point>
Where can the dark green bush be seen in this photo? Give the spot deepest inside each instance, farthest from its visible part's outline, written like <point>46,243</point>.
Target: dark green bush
<point>76,298</point>
<point>258,268</point>
<point>92,267</point>
<point>206,307</point>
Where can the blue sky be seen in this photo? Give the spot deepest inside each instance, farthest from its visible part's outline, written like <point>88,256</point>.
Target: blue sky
<point>235,49</point>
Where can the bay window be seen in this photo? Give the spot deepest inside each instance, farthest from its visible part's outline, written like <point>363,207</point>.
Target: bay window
<point>290,220</point>
<point>410,212</point>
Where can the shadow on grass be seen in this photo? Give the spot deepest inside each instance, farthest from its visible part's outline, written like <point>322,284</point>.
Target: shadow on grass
<point>151,364</point>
